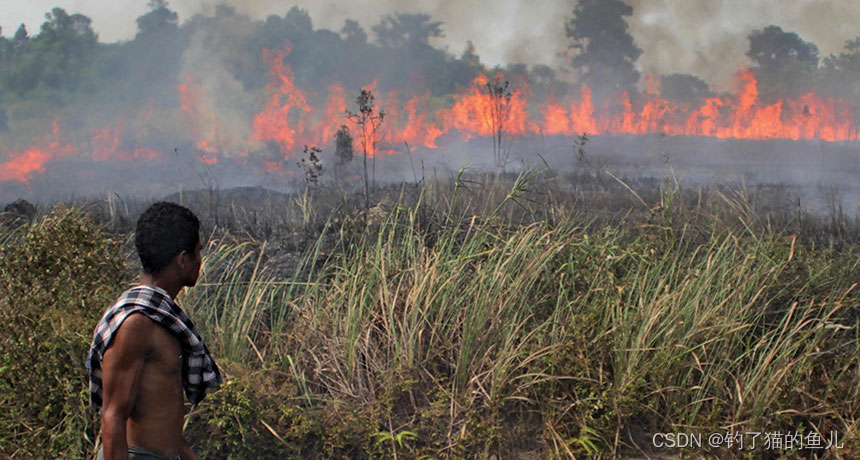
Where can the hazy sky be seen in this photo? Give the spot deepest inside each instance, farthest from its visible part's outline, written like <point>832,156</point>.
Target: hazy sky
<point>703,37</point>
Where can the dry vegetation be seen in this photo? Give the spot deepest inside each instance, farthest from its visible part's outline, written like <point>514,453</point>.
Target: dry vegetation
<point>478,317</point>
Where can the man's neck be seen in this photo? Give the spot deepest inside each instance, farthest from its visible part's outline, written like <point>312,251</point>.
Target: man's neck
<point>168,283</point>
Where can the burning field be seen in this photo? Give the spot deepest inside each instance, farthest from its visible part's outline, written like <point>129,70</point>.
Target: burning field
<point>457,126</point>
<point>241,100</point>
<point>411,254</point>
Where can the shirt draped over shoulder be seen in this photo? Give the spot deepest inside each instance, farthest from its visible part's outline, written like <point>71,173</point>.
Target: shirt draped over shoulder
<point>200,374</point>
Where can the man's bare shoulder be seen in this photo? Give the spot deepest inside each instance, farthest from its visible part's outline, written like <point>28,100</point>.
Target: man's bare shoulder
<point>134,334</point>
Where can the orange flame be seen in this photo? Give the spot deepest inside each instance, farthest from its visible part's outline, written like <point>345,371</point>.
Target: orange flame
<point>204,124</point>
<point>22,166</point>
<point>284,114</point>
<point>289,117</point>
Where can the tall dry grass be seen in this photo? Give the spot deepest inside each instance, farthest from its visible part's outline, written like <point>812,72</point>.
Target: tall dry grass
<point>473,335</point>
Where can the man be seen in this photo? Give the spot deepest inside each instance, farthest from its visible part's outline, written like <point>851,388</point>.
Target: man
<point>146,350</point>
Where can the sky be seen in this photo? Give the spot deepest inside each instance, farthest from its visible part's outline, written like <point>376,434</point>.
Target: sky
<point>706,38</point>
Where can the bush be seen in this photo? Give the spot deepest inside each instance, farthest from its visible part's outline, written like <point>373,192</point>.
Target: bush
<point>258,414</point>
<point>55,282</point>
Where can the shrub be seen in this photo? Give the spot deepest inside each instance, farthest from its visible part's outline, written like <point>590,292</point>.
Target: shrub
<point>55,281</point>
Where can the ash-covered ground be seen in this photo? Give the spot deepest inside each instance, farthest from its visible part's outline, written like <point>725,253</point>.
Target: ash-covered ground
<point>816,176</point>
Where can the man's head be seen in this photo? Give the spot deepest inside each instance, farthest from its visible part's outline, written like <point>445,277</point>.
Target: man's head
<point>168,237</point>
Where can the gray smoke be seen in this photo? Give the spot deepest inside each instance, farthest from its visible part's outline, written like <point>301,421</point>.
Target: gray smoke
<point>706,38</point>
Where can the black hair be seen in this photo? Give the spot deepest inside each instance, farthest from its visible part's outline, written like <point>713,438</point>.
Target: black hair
<point>163,231</point>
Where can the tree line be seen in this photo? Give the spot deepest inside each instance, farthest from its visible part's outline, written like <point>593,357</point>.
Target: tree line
<point>64,66</point>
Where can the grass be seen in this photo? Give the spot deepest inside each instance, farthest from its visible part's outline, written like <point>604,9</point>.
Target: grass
<point>474,319</point>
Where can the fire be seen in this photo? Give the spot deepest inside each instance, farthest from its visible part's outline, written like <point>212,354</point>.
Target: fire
<point>284,115</point>
<point>740,116</point>
<point>472,113</point>
<point>288,118</point>
<point>22,166</point>
<point>107,144</point>
<point>204,124</point>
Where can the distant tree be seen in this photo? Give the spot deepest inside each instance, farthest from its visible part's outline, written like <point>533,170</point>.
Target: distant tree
<point>353,33</point>
<point>605,50</point>
<point>7,48</point>
<point>153,59</point>
<point>296,31</point>
<point>343,146</point>
<point>61,25</point>
<point>415,64</point>
<point>299,21</point>
<point>841,73</point>
<point>785,64</point>
<point>4,120</point>
<point>846,61</point>
<point>682,88</point>
<point>60,57</point>
<point>21,34</point>
<point>409,30</point>
<point>159,20</point>
<point>545,83</point>
<point>470,55</point>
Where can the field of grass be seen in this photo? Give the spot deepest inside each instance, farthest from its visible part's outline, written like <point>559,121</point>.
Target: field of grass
<point>480,317</point>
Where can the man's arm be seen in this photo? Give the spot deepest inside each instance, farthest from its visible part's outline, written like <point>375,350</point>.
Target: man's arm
<point>121,370</point>
<point>185,453</point>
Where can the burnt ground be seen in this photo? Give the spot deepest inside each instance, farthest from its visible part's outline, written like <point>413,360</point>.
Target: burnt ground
<point>820,176</point>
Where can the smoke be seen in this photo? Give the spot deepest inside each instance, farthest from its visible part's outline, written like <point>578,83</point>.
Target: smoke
<point>709,38</point>
<point>225,85</point>
<point>705,38</point>
<point>215,102</point>
<point>504,31</point>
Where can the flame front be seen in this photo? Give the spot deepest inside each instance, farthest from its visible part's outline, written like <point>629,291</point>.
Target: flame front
<point>288,118</point>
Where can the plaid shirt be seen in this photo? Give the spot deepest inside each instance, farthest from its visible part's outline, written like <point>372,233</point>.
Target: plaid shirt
<point>199,373</point>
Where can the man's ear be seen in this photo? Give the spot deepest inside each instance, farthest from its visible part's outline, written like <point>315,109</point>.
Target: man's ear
<point>183,258</point>
<point>180,260</point>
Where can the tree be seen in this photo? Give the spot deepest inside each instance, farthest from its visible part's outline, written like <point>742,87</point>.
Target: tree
<point>841,73</point>
<point>61,25</point>
<point>470,55</point>
<point>497,115</point>
<point>416,65</point>
<point>343,151</point>
<point>682,88</point>
<point>4,120</point>
<point>846,61</point>
<point>353,33</point>
<point>605,50</point>
<point>368,119</point>
<point>409,30</point>
<point>60,57</point>
<point>21,34</point>
<point>343,146</point>
<point>160,20</point>
<point>299,21</point>
<point>7,48</point>
<point>785,64</point>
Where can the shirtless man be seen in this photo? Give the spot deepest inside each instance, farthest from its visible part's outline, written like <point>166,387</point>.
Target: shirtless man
<point>146,350</point>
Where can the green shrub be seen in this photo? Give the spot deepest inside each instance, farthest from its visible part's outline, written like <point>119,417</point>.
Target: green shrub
<point>55,281</point>
<point>258,414</point>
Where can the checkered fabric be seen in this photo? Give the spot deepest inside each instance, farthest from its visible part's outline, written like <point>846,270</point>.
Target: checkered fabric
<point>200,375</point>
